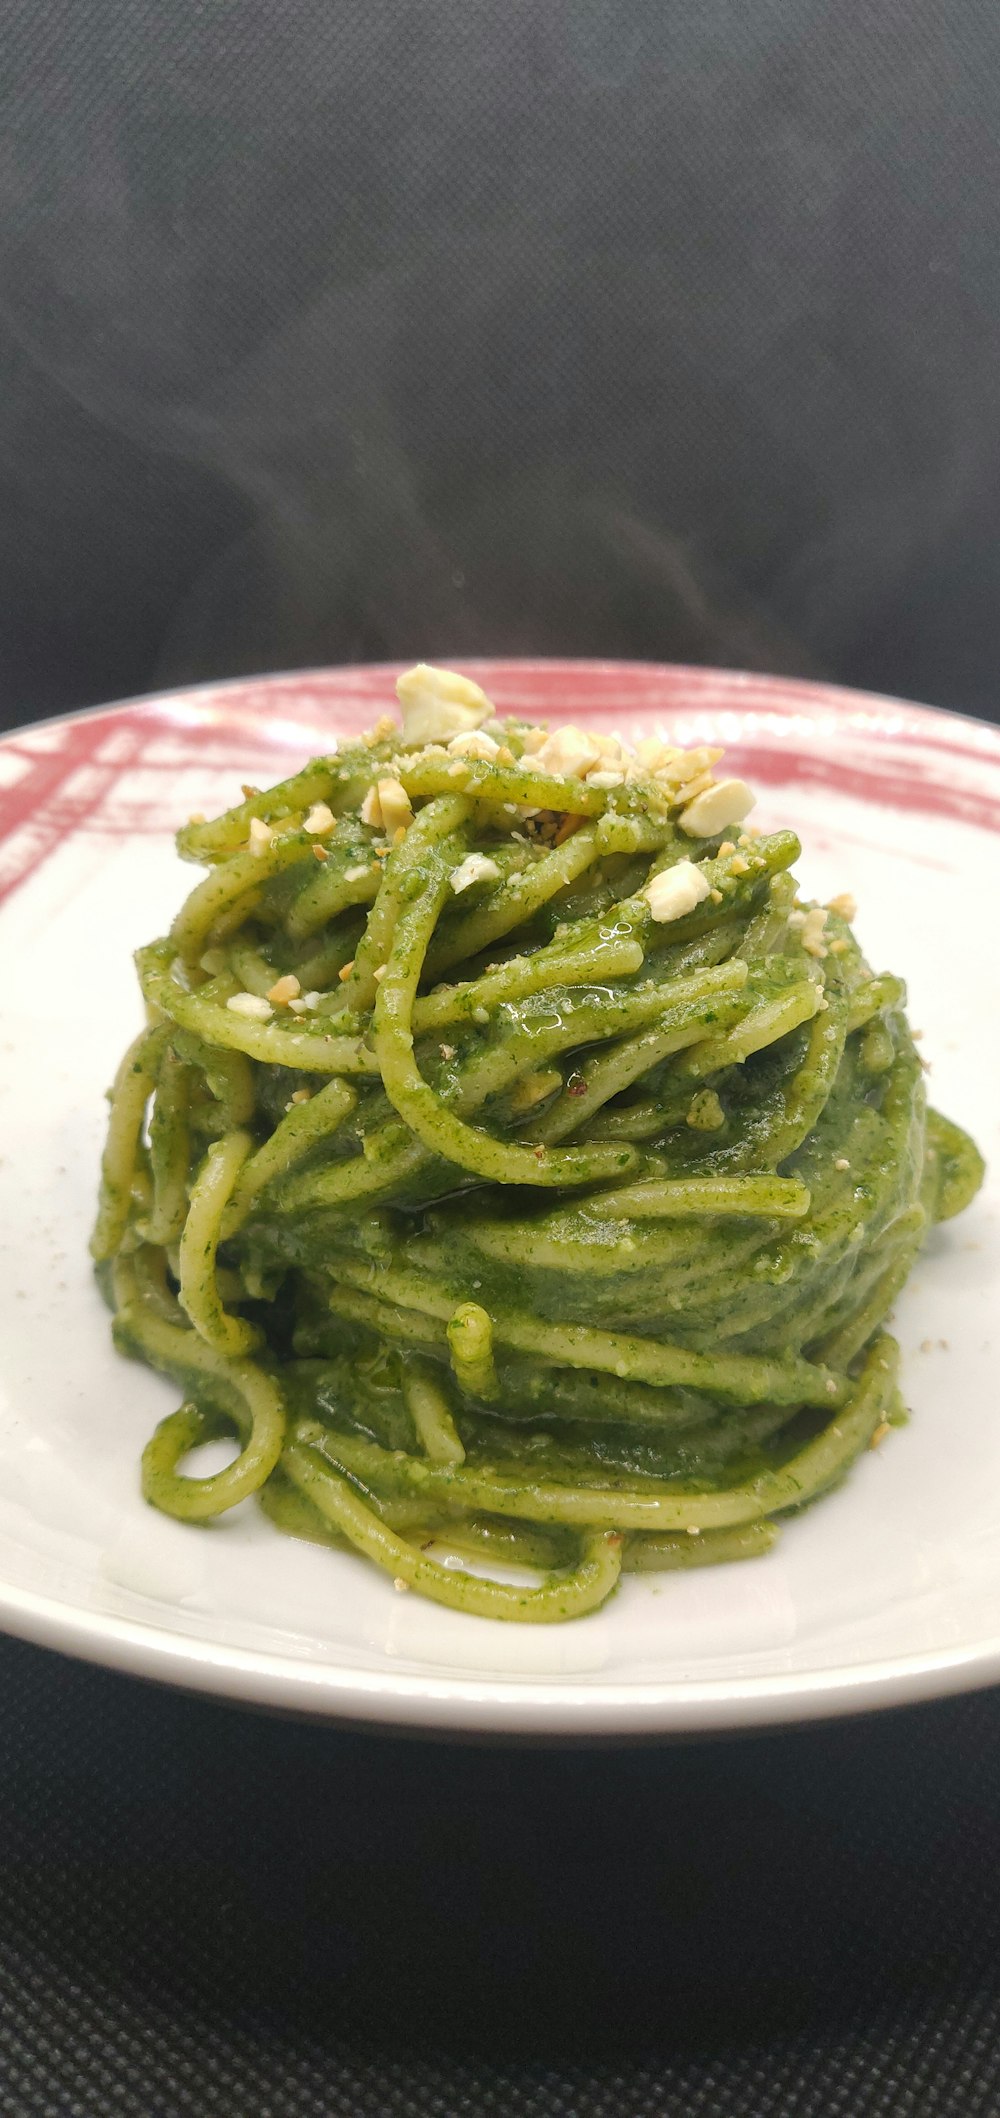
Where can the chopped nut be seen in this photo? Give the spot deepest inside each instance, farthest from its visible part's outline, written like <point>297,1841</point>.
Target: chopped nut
<point>654,755</point>
<point>320,818</point>
<point>725,802</point>
<point>841,1162</point>
<point>302,1095</point>
<point>611,747</point>
<point>320,853</point>
<point>505,756</point>
<point>606,779</point>
<point>812,932</point>
<point>393,803</point>
<point>379,972</point>
<point>438,703</point>
<point>197,816</point>
<point>846,905</point>
<point>384,729</point>
<point>705,1112</point>
<point>682,792</point>
<point>252,1005</point>
<point>249,793</point>
<point>306,1004</point>
<point>476,867</point>
<point>447,1051</point>
<point>284,989</point>
<point>716,896</point>
<point>345,971</point>
<point>880,1433</point>
<point>739,865</point>
<point>726,848</point>
<point>476,744</point>
<point>675,891</point>
<point>568,752</point>
<point>261,835</point>
<point>357,874</point>
<point>694,1529</point>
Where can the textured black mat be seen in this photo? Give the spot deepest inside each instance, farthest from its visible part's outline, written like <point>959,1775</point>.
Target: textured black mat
<point>208,1911</point>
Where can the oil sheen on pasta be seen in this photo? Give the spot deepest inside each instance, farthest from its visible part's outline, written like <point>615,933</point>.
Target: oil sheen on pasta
<point>513,1166</point>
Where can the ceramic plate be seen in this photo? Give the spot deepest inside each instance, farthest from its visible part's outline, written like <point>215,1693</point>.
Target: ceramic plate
<point>888,1591</point>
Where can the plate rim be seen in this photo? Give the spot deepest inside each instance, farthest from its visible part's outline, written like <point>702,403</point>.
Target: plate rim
<point>815,688</point>
<point>459,1703</point>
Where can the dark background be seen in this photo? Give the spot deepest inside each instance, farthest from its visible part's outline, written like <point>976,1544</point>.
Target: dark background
<point>345,329</point>
<point>337,329</point>
<point>208,1912</point>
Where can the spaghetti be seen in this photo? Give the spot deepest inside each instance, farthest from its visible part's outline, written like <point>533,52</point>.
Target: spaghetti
<point>514,1165</point>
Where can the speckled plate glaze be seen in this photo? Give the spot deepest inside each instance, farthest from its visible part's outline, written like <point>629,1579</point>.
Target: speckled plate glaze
<point>888,1591</point>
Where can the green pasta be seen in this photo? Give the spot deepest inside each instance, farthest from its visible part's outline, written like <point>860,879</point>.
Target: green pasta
<point>514,1166</point>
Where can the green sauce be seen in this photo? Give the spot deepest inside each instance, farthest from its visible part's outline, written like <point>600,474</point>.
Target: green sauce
<point>513,1221</point>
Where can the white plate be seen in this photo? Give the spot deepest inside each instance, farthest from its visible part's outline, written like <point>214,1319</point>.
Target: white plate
<point>887,1591</point>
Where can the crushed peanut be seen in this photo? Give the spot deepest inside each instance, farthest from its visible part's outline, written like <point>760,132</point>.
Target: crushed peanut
<point>252,1005</point>
<point>438,703</point>
<point>476,867</point>
<point>809,926</point>
<point>723,802</point>
<point>846,905</point>
<point>606,779</point>
<point>383,731</point>
<point>475,745</point>
<point>568,753</point>
<point>320,818</point>
<point>284,989</point>
<point>261,835</point>
<point>386,806</point>
<point>705,1112</point>
<point>675,891</point>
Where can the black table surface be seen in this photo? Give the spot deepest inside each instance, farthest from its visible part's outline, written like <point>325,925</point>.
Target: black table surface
<point>208,1910</point>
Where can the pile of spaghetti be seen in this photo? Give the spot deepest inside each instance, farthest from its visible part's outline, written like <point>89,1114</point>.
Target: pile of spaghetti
<point>513,1164</point>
